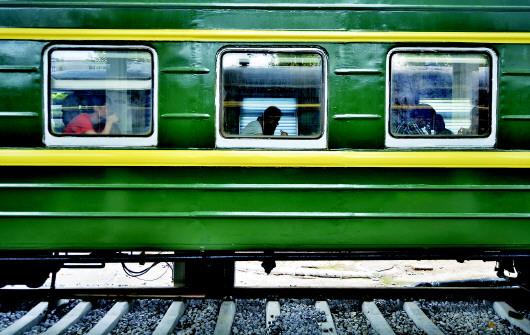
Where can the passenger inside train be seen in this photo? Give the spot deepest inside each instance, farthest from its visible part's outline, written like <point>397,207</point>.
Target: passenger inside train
<point>265,124</point>
<point>439,126</point>
<point>445,97</point>
<point>82,79</point>
<point>287,84</point>
<point>419,122</point>
<point>99,121</point>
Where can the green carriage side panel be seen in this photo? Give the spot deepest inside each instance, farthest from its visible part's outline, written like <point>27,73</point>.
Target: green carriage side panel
<point>514,94</point>
<point>238,208</point>
<point>263,208</point>
<point>412,15</point>
<point>228,234</point>
<point>20,94</point>
<point>187,70</point>
<point>356,91</point>
<point>186,94</point>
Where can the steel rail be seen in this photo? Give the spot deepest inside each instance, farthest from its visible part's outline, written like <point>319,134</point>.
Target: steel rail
<point>509,293</point>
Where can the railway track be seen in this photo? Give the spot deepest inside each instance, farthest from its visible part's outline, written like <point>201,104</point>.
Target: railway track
<point>270,311</point>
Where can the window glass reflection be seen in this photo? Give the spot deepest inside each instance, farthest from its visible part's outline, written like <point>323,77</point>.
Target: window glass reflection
<point>101,92</point>
<point>271,94</point>
<point>440,94</point>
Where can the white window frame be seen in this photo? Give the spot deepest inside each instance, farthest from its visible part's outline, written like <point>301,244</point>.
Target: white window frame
<point>433,142</point>
<point>279,142</point>
<point>64,140</point>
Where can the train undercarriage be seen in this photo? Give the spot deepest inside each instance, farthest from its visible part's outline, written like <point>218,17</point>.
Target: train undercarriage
<point>216,270</point>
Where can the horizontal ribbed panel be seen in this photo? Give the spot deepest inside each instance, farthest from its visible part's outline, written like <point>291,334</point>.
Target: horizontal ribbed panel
<point>279,215</point>
<point>290,187</point>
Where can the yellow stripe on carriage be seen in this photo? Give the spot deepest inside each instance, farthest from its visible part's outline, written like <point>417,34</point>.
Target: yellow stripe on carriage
<point>255,158</point>
<point>212,35</point>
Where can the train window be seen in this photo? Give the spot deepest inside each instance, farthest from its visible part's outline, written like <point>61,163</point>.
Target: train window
<point>271,98</point>
<point>441,97</point>
<point>100,96</point>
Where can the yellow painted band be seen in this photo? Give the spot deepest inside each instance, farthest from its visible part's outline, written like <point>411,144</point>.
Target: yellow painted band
<point>257,35</point>
<point>415,159</point>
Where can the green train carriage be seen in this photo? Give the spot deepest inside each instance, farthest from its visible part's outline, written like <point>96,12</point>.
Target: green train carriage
<point>355,175</point>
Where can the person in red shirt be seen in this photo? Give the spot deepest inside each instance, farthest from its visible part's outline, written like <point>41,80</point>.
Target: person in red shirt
<point>89,123</point>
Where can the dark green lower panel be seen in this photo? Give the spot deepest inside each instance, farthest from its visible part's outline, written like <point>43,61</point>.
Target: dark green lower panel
<point>120,208</point>
<point>261,234</point>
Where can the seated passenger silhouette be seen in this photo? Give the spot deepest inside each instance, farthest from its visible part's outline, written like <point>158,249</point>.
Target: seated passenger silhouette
<point>71,107</point>
<point>439,126</point>
<point>266,124</point>
<point>100,121</point>
<point>474,126</point>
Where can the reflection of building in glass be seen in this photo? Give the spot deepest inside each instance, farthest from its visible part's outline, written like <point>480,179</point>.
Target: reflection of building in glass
<point>456,112</point>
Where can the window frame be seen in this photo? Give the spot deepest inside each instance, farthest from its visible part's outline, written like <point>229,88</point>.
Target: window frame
<point>278,142</point>
<point>117,140</point>
<point>443,142</point>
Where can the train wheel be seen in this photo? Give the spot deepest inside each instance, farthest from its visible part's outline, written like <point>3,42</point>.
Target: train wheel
<point>520,267</point>
<point>523,272</point>
<point>30,275</point>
